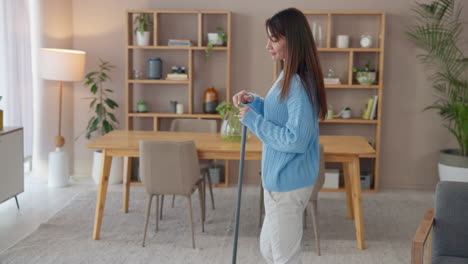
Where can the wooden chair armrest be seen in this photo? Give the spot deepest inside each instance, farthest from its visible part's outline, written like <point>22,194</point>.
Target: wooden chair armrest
<point>421,236</point>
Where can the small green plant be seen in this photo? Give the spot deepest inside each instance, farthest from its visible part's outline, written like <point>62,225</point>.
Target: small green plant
<point>143,22</point>
<point>367,68</point>
<point>209,49</point>
<point>226,107</point>
<point>232,127</point>
<point>103,120</point>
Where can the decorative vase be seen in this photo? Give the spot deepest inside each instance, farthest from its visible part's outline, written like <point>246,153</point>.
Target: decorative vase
<point>210,100</point>
<point>154,68</point>
<point>231,129</point>
<point>366,78</point>
<point>214,39</point>
<point>142,39</point>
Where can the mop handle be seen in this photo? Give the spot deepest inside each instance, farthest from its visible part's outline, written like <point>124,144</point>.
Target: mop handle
<point>239,194</point>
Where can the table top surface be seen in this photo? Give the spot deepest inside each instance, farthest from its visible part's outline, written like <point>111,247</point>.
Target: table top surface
<point>7,130</point>
<point>129,140</point>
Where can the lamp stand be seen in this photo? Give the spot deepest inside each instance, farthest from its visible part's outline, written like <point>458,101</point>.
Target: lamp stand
<point>58,159</point>
<point>59,140</point>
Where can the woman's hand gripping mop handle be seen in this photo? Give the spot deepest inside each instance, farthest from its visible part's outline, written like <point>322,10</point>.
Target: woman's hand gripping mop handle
<point>239,194</point>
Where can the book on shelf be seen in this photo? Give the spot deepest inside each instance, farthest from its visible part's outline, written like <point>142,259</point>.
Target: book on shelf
<point>179,42</point>
<point>367,109</point>
<point>374,108</point>
<point>177,77</point>
<point>331,81</point>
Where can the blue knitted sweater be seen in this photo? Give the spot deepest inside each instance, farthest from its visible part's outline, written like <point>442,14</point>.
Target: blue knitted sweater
<point>290,134</point>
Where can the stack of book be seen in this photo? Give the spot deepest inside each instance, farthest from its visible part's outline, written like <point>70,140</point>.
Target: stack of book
<point>331,81</point>
<point>179,42</point>
<point>370,109</point>
<point>177,77</point>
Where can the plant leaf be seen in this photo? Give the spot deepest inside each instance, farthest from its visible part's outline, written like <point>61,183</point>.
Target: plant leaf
<point>111,103</point>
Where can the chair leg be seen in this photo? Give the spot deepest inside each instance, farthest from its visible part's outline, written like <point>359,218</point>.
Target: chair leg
<point>189,200</point>
<point>157,210</point>
<point>17,204</point>
<point>207,176</point>
<point>304,221</point>
<point>202,207</point>
<point>260,207</point>
<point>313,214</point>
<point>161,210</point>
<point>173,200</point>
<point>148,210</point>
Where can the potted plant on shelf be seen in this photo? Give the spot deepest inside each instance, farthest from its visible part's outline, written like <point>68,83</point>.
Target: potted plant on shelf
<point>438,33</point>
<point>142,107</point>
<point>231,128</point>
<point>215,39</point>
<point>365,76</point>
<point>143,28</point>
<point>103,120</point>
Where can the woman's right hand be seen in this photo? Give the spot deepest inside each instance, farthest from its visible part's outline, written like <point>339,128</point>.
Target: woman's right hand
<point>242,97</point>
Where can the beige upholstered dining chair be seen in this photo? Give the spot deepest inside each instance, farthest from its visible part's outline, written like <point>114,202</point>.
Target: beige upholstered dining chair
<point>200,126</point>
<point>171,168</point>
<point>312,206</point>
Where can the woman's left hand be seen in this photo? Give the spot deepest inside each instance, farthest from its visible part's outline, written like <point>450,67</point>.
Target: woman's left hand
<point>243,111</point>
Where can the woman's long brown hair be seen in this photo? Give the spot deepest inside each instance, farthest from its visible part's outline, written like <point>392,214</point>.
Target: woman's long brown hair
<point>301,55</point>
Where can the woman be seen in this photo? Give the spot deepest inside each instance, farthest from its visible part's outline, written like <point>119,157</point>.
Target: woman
<point>286,121</point>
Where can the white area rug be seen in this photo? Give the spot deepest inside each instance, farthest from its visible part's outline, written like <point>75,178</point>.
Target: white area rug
<point>391,218</point>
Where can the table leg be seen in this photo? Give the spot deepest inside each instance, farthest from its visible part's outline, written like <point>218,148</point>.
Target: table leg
<point>355,178</point>
<point>126,186</point>
<point>102,192</point>
<point>349,200</point>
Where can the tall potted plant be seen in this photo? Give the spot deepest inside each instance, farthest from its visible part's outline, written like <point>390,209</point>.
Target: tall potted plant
<point>102,120</point>
<point>438,34</point>
<point>143,27</point>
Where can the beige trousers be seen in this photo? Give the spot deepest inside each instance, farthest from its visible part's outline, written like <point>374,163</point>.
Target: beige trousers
<point>281,236</point>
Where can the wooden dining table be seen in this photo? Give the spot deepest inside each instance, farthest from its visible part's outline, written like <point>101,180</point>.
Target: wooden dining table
<point>341,149</point>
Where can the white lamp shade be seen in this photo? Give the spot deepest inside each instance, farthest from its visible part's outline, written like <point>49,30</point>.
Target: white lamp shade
<point>62,64</point>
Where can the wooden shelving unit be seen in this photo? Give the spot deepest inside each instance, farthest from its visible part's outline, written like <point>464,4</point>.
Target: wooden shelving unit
<point>353,24</point>
<point>198,27</point>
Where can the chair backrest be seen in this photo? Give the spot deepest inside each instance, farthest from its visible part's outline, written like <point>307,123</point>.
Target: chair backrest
<point>450,233</point>
<point>321,175</point>
<point>194,125</point>
<point>169,167</point>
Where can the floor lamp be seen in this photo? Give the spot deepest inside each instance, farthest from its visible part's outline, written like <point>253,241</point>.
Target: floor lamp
<point>64,66</point>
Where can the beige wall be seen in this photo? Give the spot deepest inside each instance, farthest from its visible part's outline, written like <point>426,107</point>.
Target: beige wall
<point>410,138</point>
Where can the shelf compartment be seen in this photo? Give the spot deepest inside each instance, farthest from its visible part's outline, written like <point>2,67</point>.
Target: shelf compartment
<point>208,23</point>
<point>321,21</point>
<point>138,61</point>
<point>131,15</point>
<point>338,62</point>
<point>361,58</point>
<point>177,25</point>
<point>354,25</point>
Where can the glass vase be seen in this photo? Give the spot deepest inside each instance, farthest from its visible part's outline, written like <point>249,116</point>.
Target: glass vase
<point>231,129</point>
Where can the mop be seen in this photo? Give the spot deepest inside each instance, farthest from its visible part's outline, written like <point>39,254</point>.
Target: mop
<point>239,193</point>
